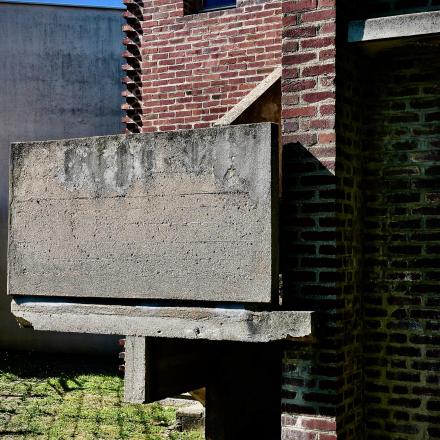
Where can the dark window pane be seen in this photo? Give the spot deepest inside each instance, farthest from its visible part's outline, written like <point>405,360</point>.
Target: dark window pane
<point>212,4</point>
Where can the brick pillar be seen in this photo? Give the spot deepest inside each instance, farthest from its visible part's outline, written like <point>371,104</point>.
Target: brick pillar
<point>320,258</point>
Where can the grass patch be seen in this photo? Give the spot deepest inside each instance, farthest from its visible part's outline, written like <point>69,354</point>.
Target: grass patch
<point>64,397</point>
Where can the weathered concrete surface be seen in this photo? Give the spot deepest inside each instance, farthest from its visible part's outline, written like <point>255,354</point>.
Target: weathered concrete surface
<point>135,379</point>
<point>60,77</point>
<point>144,319</point>
<point>188,215</point>
<point>398,26</point>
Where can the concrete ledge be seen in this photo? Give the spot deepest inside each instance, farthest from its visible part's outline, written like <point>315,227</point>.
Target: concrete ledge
<point>398,26</point>
<point>229,323</point>
<point>250,98</point>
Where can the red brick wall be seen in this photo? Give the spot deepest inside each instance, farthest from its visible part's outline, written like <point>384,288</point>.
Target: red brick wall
<point>310,373</point>
<point>187,71</point>
<point>194,68</point>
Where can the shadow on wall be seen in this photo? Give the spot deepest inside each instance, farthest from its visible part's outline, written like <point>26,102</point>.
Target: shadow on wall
<point>309,267</point>
<point>401,283</point>
<point>319,259</point>
<point>61,78</point>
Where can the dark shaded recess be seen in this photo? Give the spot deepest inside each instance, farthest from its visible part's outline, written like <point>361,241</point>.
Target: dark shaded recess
<point>401,237</point>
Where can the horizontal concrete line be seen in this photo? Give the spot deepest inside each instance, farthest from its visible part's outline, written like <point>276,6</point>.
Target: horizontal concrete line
<point>17,199</point>
<point>226,323</point>
<point>398,26</point>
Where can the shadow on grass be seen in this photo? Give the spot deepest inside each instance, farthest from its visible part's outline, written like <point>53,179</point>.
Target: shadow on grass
<point>65,367</point>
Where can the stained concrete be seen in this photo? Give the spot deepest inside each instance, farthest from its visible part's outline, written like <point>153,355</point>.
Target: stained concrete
<point>60,77</point>
<point>187,215</point>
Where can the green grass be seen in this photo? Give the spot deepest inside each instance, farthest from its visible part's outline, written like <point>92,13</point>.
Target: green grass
<point>57,397</point>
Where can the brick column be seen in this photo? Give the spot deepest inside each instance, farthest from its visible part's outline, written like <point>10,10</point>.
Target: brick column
<point>321,379</point>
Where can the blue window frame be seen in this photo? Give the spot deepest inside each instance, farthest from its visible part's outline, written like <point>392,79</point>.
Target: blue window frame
<point>218,4</point>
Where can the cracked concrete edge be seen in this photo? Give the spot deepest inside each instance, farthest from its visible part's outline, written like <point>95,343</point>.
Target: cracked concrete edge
<point>196,323</point>
<point>397,26</point>
<point>250,98</point>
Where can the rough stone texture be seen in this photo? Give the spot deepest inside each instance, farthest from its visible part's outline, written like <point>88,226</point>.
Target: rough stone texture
<point>60,77</point>
<point>143,319</point>
<point>399,26</point>
<point>182,215</point>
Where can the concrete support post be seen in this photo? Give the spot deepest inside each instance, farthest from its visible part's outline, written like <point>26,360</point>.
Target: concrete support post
<point>136,361</point>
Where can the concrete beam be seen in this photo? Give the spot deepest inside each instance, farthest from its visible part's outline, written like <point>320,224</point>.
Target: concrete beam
<point>228,323</point>
<point>250,98</point>
<point>397,26</point>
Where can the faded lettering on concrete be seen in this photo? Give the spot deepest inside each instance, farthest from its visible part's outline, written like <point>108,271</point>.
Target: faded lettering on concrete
<point>187,215</point>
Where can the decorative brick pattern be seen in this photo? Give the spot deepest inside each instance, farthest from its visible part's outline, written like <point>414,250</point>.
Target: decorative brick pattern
<point>402,247</point>
<point>133,94</point>
<point>195,68</point>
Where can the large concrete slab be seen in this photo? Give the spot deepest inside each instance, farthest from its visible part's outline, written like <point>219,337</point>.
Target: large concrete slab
<point>187,215</point>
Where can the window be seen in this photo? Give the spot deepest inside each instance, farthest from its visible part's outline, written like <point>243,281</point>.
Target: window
<point>217,4</point>
<point>196,6</point>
